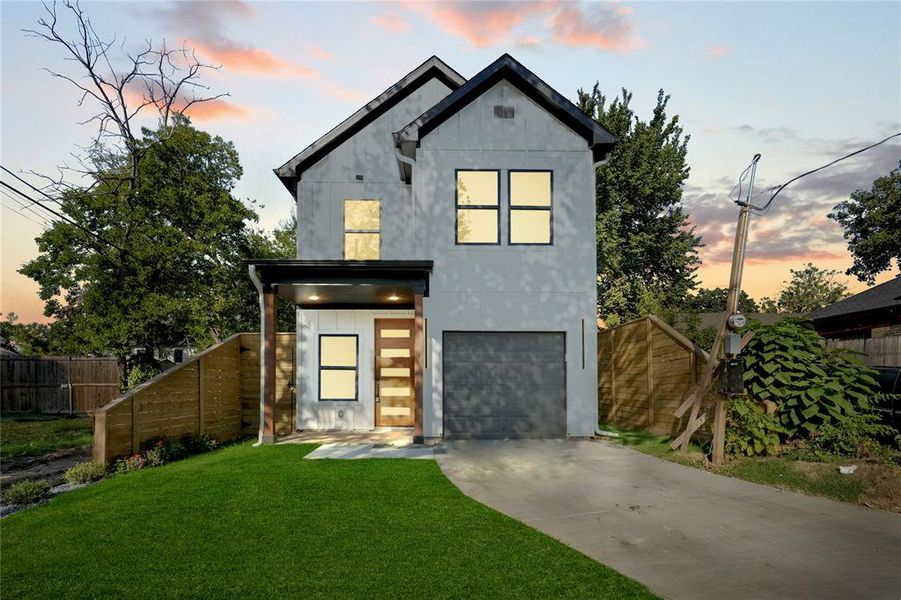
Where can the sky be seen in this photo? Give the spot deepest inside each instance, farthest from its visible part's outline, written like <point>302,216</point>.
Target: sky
<point>798,82</point>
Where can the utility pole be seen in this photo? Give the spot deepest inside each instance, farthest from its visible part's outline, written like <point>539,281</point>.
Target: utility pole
<point>724,337</point>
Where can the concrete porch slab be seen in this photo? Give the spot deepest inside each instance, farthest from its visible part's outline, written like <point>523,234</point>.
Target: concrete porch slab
<point>383,442</point>
<point>356,451</point>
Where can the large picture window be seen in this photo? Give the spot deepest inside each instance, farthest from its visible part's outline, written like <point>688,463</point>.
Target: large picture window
<point>478,214</point>
<point>531,209</point>
<point>338,362</point>
<point>362,237</point>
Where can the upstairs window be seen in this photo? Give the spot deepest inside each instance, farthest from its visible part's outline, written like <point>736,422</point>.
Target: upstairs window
<point>362,219</point>
<point>531,210</point>
<point>478,212</point>
<point>338,367</point>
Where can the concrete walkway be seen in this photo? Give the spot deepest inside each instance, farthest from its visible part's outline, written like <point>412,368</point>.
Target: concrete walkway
<point>684,532</point>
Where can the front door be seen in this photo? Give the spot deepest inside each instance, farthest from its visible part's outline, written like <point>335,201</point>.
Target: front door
<point>394,398</point>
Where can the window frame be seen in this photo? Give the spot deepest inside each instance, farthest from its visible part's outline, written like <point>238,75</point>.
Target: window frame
<point>510,208</point>
<point>458,207</point>
<point>355,368</point>
<point>346,231</point>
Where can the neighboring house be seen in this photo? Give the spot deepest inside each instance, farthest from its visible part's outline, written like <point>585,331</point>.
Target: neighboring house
<point>446,270</point>
<point>170,356</point>
<point>873,313</point>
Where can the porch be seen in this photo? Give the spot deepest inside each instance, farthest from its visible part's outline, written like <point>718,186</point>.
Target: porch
<point>390,386</point>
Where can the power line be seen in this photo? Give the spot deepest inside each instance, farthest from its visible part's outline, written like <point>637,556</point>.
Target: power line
<point>40,191</point>
<point>24,206</point>
<point>23,215</point>
<point>779,188</point>
<point>61,216</point>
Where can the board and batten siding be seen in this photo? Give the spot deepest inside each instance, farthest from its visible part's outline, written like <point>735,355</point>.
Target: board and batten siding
<point>504,287</point>
<point>323,187</point>
<point>645,368</point>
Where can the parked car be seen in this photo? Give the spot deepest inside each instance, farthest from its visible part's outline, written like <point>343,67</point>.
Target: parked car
<point>889,404</point>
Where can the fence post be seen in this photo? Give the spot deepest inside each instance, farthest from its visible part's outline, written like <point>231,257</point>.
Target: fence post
<point>201,394</point>
<point>69,379</point>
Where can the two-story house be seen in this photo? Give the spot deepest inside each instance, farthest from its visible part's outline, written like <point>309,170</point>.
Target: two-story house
<point>445,277</point>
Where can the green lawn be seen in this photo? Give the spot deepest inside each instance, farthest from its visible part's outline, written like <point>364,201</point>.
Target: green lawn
<point>262,522</point>
<point>33,435</point>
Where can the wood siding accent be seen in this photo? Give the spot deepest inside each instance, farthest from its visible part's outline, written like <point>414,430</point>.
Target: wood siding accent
<point>57,384</point>
<point>211,393</point>
<point>645,367</point>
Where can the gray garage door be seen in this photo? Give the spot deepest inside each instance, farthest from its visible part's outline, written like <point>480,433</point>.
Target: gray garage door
<point>504,385</point>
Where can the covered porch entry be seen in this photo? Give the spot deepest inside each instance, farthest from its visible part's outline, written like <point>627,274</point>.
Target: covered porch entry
<point>337,375</point>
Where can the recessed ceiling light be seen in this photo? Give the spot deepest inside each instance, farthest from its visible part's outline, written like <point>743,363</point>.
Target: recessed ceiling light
<point>314,297</point>
<point>394,297</point>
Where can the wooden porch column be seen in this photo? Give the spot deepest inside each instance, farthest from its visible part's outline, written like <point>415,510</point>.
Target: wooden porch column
<point>268,327</point>
<point>418,358</point>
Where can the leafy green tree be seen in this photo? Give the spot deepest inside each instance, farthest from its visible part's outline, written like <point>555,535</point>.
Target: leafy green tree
<point>810,289</point>
<point>164,263</point>
<point>25,338</point>
<point>872,225</point>
<point>714,300</point>
<point>644,243</point>
<point>769,305</point>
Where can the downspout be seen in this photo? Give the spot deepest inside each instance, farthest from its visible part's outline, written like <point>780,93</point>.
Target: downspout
<point>252,271</point>
<point>412,163</point>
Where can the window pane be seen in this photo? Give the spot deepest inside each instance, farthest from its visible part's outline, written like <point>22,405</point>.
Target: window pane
<point>361,214</point>
<point>361,246</point>
<point>477,187</point>
<point>476,226</point>
<point>390,390</point>
<point>395,333</point>
<point>395,372</point>
<point>338,385</point>
<point>530,227</point>
<point>530,189</point>
<point>395,353</point>
<point>338,351</point>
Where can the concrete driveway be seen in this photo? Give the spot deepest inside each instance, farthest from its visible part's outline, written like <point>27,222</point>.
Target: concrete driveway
<point>683,532</point>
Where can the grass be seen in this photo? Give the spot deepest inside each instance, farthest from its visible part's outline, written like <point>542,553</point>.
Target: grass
<point>262,522</point>
<point>34,435</point>
<point>876,485</point>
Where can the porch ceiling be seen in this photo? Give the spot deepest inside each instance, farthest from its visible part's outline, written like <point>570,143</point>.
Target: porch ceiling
<point>344,283</point>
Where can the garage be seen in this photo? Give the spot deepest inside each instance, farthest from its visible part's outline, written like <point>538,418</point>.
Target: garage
<point>504,384</point>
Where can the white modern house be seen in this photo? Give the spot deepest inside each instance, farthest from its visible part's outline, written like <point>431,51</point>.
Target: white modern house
<point>445,277</point>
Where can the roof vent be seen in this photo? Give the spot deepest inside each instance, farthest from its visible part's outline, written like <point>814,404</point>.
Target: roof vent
<point>359,178</point>
<point>503,112</point>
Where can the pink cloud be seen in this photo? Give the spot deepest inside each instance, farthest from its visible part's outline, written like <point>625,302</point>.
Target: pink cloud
<point>246,59</point>
<point>718,51</point>
<point>392,21</point>
<point>210,110</point>
<point>600,26</point>
<point>319,53</point>
<point>481,23</point>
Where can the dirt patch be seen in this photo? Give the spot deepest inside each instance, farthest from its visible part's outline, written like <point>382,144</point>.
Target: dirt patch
<point>49,466</point>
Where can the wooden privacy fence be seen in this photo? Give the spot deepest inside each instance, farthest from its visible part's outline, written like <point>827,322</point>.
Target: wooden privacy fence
<point>215,392</point>
<point>645,367</point>
<point>879,352</point>
<point>57,384</point>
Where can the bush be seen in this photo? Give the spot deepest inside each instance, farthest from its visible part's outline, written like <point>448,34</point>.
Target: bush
<point>139,375</point>
<point>812,385</point>
<point>85,472</point>
<point>198,443</point>
<point>856,437</point>
<point>751,431</point>
<point>160,451</point>
<point>27,492</point>
<point>134,462</point>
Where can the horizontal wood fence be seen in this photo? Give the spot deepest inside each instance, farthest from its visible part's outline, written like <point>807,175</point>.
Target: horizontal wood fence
<point>57,384</point>
<point>878,352</point>
<point>215,392</point>
<point>645,367</point>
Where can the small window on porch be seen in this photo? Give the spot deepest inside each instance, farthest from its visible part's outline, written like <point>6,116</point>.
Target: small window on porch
<point>362,221</point>
<point>338,362</point>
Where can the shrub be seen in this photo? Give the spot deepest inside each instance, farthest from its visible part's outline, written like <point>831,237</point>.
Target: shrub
<point>27,492</point>
<point>139,375</point>
<point>198,443</point>
<point>812,385</point>
<point>856,437</point>
<point>131,463</point>
<point>85,472</point>
<point>751,431</point>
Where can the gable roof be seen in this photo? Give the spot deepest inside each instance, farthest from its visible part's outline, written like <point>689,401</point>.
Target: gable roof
<point>433,68</point>
<point>509,69</point>
<point>884,295</point>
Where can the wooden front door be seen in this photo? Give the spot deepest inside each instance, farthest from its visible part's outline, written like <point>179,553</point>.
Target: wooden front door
<point>394,393</point>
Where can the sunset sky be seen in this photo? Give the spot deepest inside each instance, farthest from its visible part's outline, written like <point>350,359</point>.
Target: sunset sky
<point>800,83</point>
